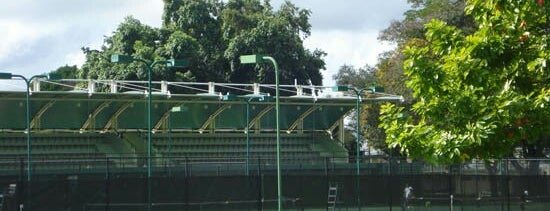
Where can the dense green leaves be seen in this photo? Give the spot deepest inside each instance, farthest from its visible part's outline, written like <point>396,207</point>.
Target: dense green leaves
<point>481,93</point>
<point>361,78</point>
<point>63,72</point>
<point>278,34</point>
<point>212,34</point>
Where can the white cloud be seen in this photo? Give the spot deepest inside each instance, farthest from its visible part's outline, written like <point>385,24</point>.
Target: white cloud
<point>347,30</point>
<point>346,47</point>
<point>39,36</point>
<point>76,58</point>
<point>16,37</point>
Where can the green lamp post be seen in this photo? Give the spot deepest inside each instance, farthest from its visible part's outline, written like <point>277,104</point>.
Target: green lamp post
<point>28,111</point>
<point>255,59</point>
<point>170,63</point>
<point>28,123</point>
<point>249,99</point>
<point>358,93</point>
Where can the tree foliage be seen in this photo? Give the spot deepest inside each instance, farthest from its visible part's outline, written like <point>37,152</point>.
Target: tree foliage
<point>410,31</point>
<point>65,71</point>
<point>361,78</point>
<point>423,11</point>
<point>481,93</point>
<point>279,34</point>
<point>388,73</point>
<point>356,77</point>
<point>212,34</point>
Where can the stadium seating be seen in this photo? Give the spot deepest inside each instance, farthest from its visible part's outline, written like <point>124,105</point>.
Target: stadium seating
<point>58,151</point>
<point>51,151</point>
<point>295,148</point>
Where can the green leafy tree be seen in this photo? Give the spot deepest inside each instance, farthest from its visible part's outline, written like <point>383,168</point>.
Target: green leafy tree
<point>200,20</point>
<point>479,94</point>
<point>388,73</point>
<point>65,71</point>
<point>279,34</point>
<point>138,40</point>
<point>212,34</point>
<point>410,31</point>
<point>423,11</point>
<point>361,78</point>
<point>357,77</point>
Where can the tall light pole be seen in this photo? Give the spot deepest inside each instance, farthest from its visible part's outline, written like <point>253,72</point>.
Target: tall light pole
<point>250,98</point>
<point>255,59</point>
<point>28,123</point>
<point>28,111</point>
<point>170,63</point>
<point>358,93</point>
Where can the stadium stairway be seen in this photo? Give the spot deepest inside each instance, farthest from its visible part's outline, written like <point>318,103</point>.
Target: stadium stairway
<point>118,149</point>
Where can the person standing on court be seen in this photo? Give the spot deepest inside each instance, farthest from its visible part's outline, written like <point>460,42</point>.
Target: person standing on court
<point>407,195</point>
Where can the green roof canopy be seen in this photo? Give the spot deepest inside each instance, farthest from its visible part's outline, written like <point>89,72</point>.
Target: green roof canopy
<point>107,106</point>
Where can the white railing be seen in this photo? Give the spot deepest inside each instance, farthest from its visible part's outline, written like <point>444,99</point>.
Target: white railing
<point>92,86</point>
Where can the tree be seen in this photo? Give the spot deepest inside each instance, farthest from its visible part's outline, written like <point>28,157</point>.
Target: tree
<point>423,11</point>
<point>479,94</point>
<point>361,78</point>
<point>279,34</point>
<point>356,77</point>
<point>200,20</point>
<point>389,71</point>
<point>63,72</point>
<point>138,40</point>
<point>411,30</point>
<point>212,35</point>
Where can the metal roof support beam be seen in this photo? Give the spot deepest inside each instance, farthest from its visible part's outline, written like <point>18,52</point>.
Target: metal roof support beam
<point>114,117</point>
<point>341,130</point>
<point>35,85</point>
<point>212,119</point>
<point>164,87</point>
<point>91,86</point>
<point>163,120</point>
<point>211,88</point>
<point>114,86</point>
<point>89,124</point>
<point>36,120</point>
<point>299,90</point>
<point>340,125</point>
<point>256,120</point>
<point>301,118</point>
<point>256,88</point>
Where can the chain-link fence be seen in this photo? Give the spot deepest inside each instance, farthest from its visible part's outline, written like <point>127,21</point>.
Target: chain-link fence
<point>185,183</point>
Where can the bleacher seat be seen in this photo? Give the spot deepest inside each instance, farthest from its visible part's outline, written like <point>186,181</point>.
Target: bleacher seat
<point>295,148</point>
<point>50,151</point>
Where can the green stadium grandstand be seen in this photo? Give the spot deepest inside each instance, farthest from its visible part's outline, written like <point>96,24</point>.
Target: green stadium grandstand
<point>90,152</point>
<point>100,127</point>
<point>94,120</point>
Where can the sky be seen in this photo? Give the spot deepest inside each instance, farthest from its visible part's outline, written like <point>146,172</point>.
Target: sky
<point>40,36</point>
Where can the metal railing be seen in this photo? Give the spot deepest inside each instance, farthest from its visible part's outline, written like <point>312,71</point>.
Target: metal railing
<point>101,162</point>
<point>92,86</point>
